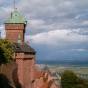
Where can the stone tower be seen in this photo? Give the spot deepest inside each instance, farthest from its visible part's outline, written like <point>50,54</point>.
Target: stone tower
<point>15,27</point>
<point>24,55</point>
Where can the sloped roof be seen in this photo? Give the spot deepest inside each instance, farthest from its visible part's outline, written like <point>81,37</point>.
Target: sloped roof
<point>16,17</point>
<point>23,48</point>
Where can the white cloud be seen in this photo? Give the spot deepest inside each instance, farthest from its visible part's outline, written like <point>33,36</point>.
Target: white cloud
<point>4,13</point>
<point>77,17</point>
<point>67,4</point>
<point>2,31</point>
<point>85,22</point>
<point>36,23</point>
<point>48,8</point>
<point>80,50</point>
<point>57,37</point>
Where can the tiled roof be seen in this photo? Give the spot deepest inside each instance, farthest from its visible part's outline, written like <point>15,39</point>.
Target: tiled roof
<point>23,48</point>
<point>16,17</point>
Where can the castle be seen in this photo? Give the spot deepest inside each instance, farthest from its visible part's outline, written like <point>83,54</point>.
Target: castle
<point>28,74</point>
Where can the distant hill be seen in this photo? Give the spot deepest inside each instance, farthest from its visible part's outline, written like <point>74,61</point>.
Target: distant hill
<point>67,62</point>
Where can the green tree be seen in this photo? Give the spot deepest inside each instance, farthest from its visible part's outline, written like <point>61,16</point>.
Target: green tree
<point>6,51</point>
<point>70,80</point>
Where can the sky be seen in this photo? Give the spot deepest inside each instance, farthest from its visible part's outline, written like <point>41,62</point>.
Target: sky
<point>56,29</point>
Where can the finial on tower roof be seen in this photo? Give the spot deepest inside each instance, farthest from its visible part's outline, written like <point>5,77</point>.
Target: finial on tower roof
<point>15,16</point>
<point>15,5</point>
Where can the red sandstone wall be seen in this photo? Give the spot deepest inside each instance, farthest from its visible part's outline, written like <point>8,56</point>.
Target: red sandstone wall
<point>20,71</point>
<point>27,72</point>
<point>12,35</point>
<point>26,65</point>
<point>14,26</point>
<point>13,30</point>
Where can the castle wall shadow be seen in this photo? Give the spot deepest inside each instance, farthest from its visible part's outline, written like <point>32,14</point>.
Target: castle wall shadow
<point>4,82</point>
